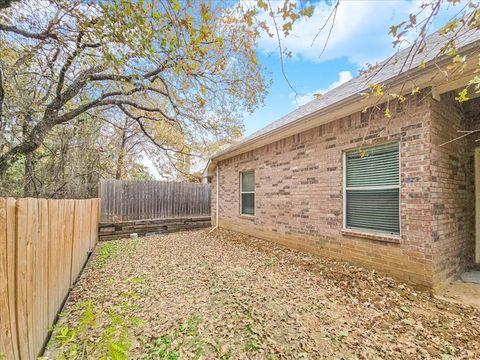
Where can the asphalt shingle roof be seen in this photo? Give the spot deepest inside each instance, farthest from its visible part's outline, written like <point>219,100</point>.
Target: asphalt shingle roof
<point>387,70</point>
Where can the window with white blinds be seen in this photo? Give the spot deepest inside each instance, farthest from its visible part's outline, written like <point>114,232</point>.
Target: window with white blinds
<point>247,193</point>
<point>372,189</point>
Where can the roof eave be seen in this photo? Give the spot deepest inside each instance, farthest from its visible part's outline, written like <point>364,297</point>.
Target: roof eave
<point>423,78</point>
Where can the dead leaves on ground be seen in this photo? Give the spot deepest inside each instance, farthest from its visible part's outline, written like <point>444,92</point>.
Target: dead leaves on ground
<point>226,295</point>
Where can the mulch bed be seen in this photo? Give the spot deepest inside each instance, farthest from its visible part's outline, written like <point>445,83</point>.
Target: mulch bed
<point>224,295</point>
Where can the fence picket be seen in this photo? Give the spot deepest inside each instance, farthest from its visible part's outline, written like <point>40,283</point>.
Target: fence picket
<point>6,341</point>
<point>36,249</point>
<point>141,200</point>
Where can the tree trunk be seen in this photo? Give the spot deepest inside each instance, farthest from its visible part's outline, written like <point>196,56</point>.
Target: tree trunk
<point>28,181</point>
<point>121,154</point>
<point>2,98</point>
<point>6,3</point>
<point>30,143</point>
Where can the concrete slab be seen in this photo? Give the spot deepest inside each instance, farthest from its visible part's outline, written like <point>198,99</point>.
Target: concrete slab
<point>472,276</point>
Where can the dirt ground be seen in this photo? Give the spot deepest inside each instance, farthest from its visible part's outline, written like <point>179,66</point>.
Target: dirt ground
<point>194,295</point>
<point>461,293</point>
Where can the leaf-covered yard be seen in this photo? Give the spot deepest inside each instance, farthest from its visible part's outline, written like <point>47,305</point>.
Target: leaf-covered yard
<point>225,295</point>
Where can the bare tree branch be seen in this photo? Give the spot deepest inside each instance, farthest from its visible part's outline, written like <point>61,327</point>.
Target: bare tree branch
<point>38,36</point>
<point>68,63</point>
<point>333,13</point>
<point>2,98</point>
<point>6,3</point>
<point>280,50</point>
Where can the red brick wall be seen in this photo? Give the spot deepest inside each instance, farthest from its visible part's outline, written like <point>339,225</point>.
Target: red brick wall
<point>452,193</point>
<point>299,195</point>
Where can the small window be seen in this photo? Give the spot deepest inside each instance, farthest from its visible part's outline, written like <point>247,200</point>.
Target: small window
<point>372,189</point>
<point>247,193</point>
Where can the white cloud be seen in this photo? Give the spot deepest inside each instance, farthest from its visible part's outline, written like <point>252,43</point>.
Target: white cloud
<point>343,76</point>
<point>360,33</point>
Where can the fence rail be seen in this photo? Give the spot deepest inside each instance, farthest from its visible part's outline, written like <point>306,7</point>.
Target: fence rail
<point>43,247</point>
<point>142,200</point>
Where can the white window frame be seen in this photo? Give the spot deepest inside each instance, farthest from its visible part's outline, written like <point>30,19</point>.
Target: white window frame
<point>378,187</point>
<point>247,192</point>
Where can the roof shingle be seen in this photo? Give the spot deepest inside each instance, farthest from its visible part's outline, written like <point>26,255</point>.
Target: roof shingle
<point>386,70</point>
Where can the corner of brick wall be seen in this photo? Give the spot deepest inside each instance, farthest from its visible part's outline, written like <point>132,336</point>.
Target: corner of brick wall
<point>452,191</point>
<point>299,197</point>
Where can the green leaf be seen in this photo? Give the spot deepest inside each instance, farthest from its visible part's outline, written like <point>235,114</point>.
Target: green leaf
<point>118,351</point>
<point>307,11</point>
<point>394,29</point>
<point>175,5</point>
<point>376,89</point>
<point>287,27</point>
<point>462,96</point>
<point>449,27</point>
<point>447,357</point>
<point>476,83</point>
<point>262,5</point>
<point>387,113</point>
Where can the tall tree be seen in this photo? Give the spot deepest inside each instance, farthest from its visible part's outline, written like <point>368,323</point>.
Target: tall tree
<point>189,66</point>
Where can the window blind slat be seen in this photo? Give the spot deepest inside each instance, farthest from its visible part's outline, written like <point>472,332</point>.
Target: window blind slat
<point>377,167</point>
<point>382,216</point>
<point>247,195</point>
<point>248,181</point>
<point>373,209</point>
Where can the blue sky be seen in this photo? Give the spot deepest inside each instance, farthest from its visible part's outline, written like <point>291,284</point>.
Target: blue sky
<point>360,36</point>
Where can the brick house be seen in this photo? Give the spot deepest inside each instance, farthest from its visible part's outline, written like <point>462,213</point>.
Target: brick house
<point>393,194</point>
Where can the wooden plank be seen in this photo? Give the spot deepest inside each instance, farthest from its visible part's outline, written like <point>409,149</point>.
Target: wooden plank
<point>94,222</point>
<point>128,205</point>
<point>135,200</point>
<point>477,205</point>
<point>65,247</point>
<point>32,240</point>
<point>86,234</point>
<point>163,200</point>
<point>81,236</point>
<point>11,207</point>
<point>154,199</point>
<point>53,260</point>
<point>91,215</point>
<point>102,194</point>
<point>37,300</point>
<point>108,200</point>
<point>58,226</point>
<point>162,225</point>
<point>21,284</point>
<point>41,276</point>
<point>98,221</point>
<point>77,228</point>
<point>37,266</point>
<point>68,229</point>
<point>62,284</point>
<point>6,336</point>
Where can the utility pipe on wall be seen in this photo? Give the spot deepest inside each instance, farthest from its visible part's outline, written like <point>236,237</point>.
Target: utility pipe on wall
<point>218,187</point>
<point>217,206</point>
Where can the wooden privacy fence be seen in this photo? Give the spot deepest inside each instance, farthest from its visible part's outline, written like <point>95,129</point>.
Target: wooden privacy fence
<point>141,200</point>
<point>44,245</point>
